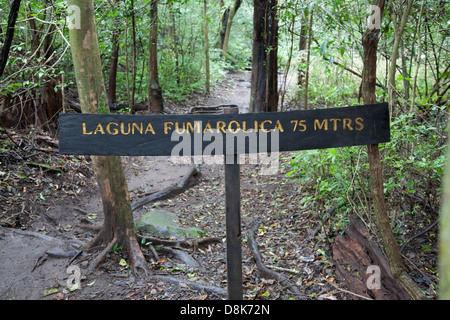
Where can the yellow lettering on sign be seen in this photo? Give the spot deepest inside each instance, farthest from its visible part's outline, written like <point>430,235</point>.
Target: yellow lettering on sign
<point>278,126</point>
<point>318,125</point>
<point>137,126</point>
<point>177,128</point>
<point>302,124</point>
<point>299,124</point>
<point>220,126</point>
<point>238,126</point>
<point>196,127</point>
<point>359,123</point>
<point>83,125</point>
<point>167,127</point>
<point>347,123</point>
<point>99,128</point>
<point>149,128</point>
<point>112,131</point>
<point>122,128</point>
<point>263,129</point>
<point>256,125</point>
<point>207,127</point>
<point>334,120</point>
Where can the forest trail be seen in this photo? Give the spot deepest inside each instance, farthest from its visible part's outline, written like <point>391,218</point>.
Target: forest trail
<point>55,215</point>
<point>235,90</point>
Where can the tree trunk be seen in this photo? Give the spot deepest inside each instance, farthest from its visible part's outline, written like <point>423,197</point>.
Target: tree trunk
<point>133,56</point>
<point>118,216</point>
<point>399,27</point>
<point>308,59</point>
<point>302,48</point>
<point>112,83</point>
<point>264,81</point>
<point>444,234</point>
<point>229,20</point>
<point>370,45</point>
<point>9,34</point>
<point>222,26</point>
<point>205,31</point>
<point>419,55</point>
<point>156,104</point>
<point>174,37</point>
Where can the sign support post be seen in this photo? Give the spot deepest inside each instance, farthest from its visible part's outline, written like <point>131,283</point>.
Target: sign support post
<point>233,223</point>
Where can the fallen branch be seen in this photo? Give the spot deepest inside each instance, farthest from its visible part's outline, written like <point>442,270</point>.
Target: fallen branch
<point>266,272</point>
<point>189,180</point>
<point>418,235</point>
<point>186,244</point>
<point>42,236</point>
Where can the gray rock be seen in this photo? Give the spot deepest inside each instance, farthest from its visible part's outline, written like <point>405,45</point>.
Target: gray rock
<point>164,224</point>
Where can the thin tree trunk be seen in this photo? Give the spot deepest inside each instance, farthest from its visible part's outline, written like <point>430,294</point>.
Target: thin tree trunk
<point>370,45</point>
<point>222,25</point>
<point>419,56</point>
<point>308,59</point>
<point>444,234</point>
<point>231,13</point>
<point>154,90</point>
<point>133,56</point>
<point>405,72</point>
<point>399,27</point>
<point>173,36</point>
<point>302,48</point>
<point>205,30</point>
<point>288,63</point>
<point>9,34</point>
<point>118,216</point>
<point>112,83</point>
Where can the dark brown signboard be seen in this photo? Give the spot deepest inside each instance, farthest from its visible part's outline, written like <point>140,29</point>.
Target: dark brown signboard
<point>217,134</point>
<point>224,134</point>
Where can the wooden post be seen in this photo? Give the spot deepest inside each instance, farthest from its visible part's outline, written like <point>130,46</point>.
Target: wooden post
<point>233,223</point>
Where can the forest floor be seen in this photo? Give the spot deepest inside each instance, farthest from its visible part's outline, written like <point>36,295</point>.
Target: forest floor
<point>46,198</point>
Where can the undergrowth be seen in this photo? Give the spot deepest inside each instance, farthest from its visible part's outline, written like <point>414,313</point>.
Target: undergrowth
<point>412,162</point>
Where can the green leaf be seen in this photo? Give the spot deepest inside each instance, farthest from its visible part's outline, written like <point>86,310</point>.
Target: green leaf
<point>123,262</point>
<point>50,291</point>
<point>74,287</point>
<point>90,284</point>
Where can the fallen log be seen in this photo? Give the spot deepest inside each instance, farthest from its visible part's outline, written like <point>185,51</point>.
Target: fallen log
<point>186,243</point>
<point>355,256</point>
<point>189,180</point>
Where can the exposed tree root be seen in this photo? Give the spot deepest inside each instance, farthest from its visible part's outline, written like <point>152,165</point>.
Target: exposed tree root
<point>266,272</point>
<point>133,249</point>
<point>137,257</point>
<point>101,256</point>
<point>180,255</point>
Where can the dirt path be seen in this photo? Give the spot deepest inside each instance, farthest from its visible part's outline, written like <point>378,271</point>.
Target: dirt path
<point>55,206</point>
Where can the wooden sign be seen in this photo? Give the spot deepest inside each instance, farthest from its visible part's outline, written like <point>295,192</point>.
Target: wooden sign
<point>227,134</point>
<point>217,134</point>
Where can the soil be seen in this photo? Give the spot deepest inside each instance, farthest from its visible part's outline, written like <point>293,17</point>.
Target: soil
<point>44,209</point>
